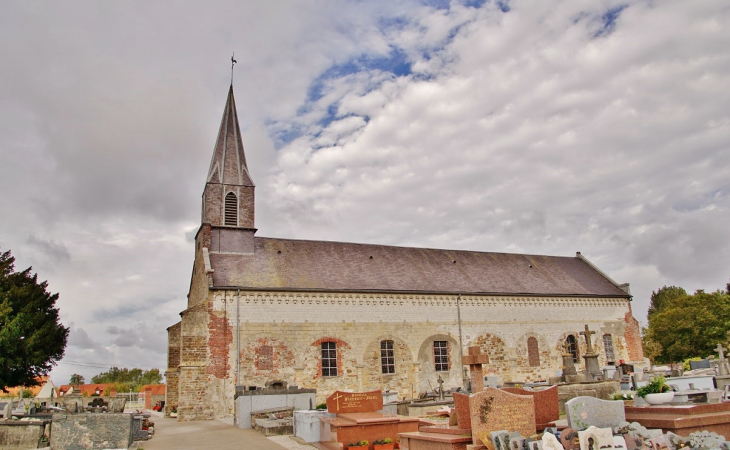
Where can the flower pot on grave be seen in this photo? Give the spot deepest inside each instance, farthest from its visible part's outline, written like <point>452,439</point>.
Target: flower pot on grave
<point>357,447</point>
<point>383,446</point>
<point>628,403</point>
<point>659,399</point>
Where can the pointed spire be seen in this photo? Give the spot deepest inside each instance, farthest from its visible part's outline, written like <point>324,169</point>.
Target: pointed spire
<point>228,165</point>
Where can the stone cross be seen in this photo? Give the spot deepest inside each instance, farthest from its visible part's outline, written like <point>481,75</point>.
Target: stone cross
<point>440,381</point>
<point>720,349</point>
<point>587,333</point>
<point>566,348</point>
<point>474,360</point>
<point>722,367</point>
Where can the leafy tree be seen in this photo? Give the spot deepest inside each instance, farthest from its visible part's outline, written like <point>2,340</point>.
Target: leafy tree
<point>661,298</point>
<point>32,339</point>
<point>690,325</point>
<point>128,379</point>
<point>652,349</point>
<point>76,380</point>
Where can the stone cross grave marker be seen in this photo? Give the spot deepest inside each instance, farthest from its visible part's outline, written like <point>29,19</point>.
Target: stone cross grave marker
<point>440,381</point>
<point>722,367</point>
<point>583,412</point>
<point>354,402</point>
<point>494,409</point>
<point>474,360</point>
<point>587,333</point>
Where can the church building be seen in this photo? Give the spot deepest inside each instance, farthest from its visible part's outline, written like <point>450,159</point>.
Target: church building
<point>337,315</point>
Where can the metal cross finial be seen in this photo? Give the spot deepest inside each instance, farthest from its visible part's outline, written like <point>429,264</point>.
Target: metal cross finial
<point>233,61</point>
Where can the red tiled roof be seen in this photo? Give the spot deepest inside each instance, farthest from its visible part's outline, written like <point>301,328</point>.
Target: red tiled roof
<point>338,266</point>
<point>85,389</point>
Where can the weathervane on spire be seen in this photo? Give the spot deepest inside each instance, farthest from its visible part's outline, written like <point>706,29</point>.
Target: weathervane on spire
<point>233,61</point>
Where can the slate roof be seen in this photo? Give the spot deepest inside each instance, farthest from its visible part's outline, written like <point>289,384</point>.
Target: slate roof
<point>288,264</point>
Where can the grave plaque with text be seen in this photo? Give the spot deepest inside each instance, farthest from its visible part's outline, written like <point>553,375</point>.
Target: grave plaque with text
<point>354,402</point>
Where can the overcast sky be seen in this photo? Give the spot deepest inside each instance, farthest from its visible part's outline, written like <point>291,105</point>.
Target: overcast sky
<point>528,126</point>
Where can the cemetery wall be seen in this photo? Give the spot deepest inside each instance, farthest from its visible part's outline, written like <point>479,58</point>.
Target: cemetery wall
<point>281,335</point>
<point>21,435</point>
<point>86,431</point>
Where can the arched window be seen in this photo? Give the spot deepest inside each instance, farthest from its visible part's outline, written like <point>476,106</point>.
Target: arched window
<point>608,346</point>
<point>572,347</point>
<point>231,214</point>
<point>533,353</point>
<point>329,359</point>
<point>387,357</point>
<point>441,356</point>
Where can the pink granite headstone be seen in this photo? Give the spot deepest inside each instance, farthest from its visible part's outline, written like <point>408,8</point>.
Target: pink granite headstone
<point>547,409</point>
<point>461,405</point>
<point>494,409</point>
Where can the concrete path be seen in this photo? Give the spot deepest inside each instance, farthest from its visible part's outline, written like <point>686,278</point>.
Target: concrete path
<point>204,434</point>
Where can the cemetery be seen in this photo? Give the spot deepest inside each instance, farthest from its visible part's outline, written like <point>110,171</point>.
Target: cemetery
<point>72,422</point>
<point>588,407</point>
<point>594,408</point>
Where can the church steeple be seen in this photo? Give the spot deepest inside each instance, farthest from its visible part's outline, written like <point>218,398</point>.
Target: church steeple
<point>228,198</point>
<point>228,165</point>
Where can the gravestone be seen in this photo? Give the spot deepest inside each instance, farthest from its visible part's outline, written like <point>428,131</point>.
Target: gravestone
<point>474,360</point>
<point>461,405</point>
<point>722,367</point>
<point>701,364</point>
<point>8,410</point>
<point>547,408</point>
<point>583,412</point>
<point>619,443</point>
<point>600,437</point>
<point>498,438</point>
<point>570,439</point>
<point>550,442</point>
<point>515,443</point>
<point>117,404</point>
<point>659,443</point>
<point>355,402</point>
<point>633,442</point>
<point>494,409</point>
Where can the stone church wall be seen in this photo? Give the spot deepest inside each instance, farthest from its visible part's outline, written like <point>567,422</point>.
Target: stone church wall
<point>281,336</point>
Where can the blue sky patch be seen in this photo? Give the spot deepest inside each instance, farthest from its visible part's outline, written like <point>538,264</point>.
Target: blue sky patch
<point>396,63</point>
<point>608,20</point>
<point>438,4</point>
<point>475,3</point>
